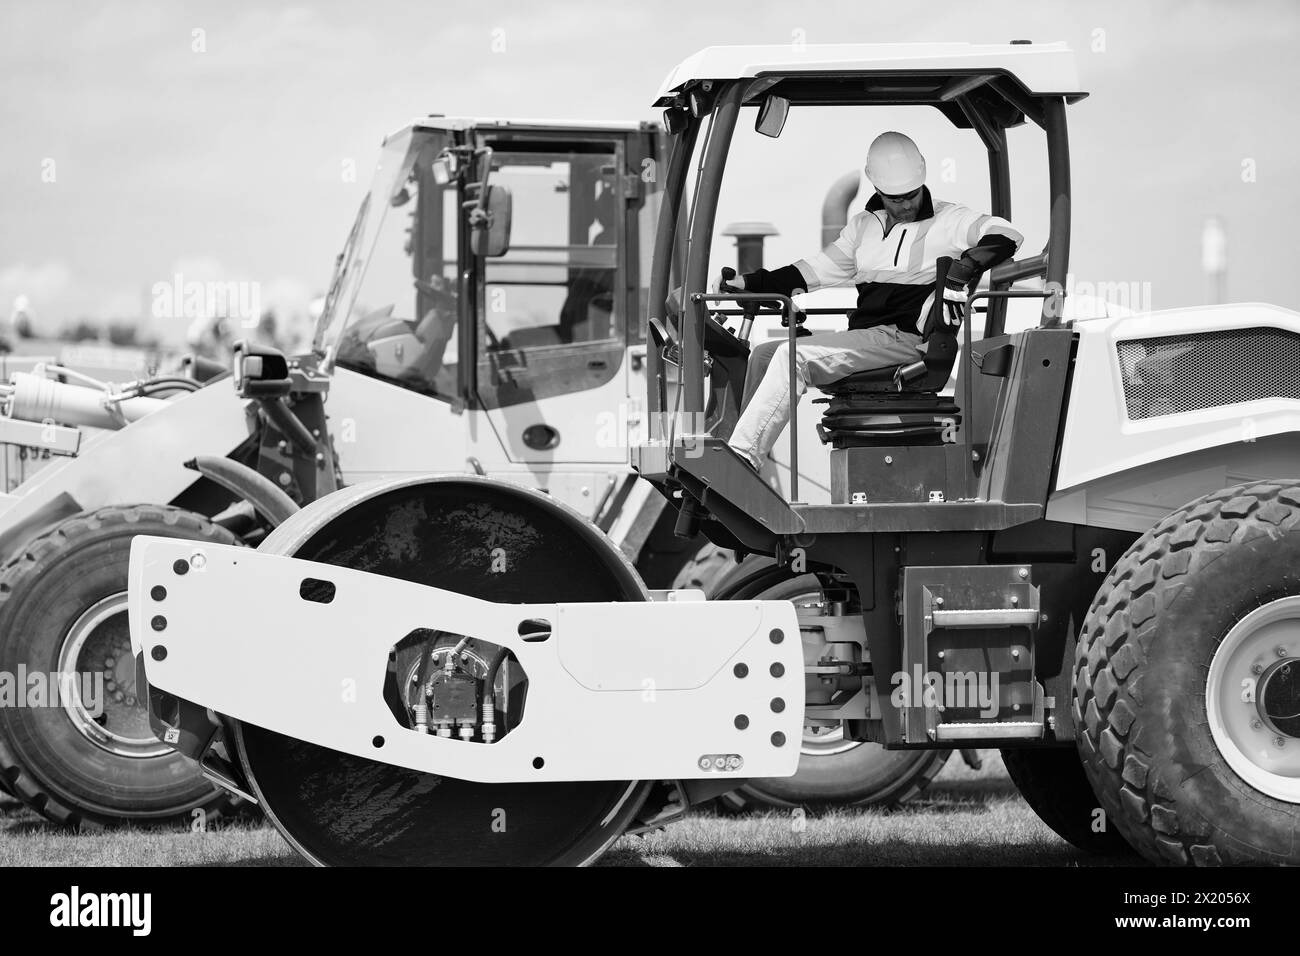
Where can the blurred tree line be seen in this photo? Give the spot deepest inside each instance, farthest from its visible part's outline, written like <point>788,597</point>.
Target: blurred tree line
<point>122,334</point>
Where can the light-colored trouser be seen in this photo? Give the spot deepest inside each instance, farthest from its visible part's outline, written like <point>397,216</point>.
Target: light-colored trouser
<point>820,360</point>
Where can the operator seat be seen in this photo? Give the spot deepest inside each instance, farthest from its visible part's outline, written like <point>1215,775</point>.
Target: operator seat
<point>898,404</point>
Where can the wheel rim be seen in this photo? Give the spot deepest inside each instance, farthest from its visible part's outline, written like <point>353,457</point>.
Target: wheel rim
<point>98,646</point>
<point>819,741</point>
<point>826,741</point>
<point>1252,698</point>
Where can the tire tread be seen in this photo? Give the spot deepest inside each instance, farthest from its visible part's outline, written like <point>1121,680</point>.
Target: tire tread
<point>72,533</point>
<point>1108,702</point>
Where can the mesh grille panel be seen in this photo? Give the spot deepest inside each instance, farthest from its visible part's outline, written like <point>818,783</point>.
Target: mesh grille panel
<point>1184,373</point>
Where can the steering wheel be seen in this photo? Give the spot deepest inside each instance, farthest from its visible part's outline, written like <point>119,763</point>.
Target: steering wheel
<point>450,301</point>
<point>442,297</point>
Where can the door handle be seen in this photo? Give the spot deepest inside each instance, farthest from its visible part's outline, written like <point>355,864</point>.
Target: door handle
<point>541,437</point>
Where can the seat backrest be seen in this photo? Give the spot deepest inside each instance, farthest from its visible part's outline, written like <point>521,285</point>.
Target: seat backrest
<point>940,340</point>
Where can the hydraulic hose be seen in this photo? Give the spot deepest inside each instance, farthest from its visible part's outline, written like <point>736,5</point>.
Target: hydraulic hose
<point>255,488</point>
<point>167,382</point>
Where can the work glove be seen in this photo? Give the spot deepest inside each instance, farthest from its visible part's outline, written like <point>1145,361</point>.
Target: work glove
<point>955,298</point>
<point>728,281</point>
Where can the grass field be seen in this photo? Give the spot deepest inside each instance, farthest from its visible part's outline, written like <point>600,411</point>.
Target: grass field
<point>964,818</point>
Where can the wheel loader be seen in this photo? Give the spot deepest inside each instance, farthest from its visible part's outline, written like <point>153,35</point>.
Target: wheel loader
<point>1085,556</point>
<point>525,363</point>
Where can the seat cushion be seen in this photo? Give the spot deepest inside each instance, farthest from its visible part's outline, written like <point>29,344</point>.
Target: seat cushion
<point>888,418</point>
<point>879,381</point>
<point>871,380</point>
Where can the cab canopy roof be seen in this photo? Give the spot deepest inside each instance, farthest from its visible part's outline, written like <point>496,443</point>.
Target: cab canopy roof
<point>439,121</point>
<point>888,74</point>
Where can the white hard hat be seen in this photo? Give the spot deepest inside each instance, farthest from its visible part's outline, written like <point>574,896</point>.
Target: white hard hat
<point>894,164</point>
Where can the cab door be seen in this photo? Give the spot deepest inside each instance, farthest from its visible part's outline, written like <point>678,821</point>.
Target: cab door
<point>553,312</point>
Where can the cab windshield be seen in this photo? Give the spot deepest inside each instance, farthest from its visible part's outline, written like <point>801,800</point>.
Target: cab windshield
<point>393,304</point>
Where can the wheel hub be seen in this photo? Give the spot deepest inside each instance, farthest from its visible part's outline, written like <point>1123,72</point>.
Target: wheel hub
<point>821,740</point>
<point>96,673</point>
<point>825,741</point>
<point>1279,698</point>
<point>1252,698</point>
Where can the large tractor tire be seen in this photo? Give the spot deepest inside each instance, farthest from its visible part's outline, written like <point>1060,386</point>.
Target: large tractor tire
<point>1187,682</point>
<point>833,772</point>
<point>88,758</point>
<point>473,536</point>
<point>1054,785</point>
<point>706,569</point>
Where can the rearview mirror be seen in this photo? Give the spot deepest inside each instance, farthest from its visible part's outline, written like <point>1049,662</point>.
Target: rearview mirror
<point>491,223</point>
<point>676,119</point>
<point>259,371</point>
<point>771,116</point>
<point>443,168</point>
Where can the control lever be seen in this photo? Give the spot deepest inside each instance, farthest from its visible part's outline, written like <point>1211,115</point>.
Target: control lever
<point>748,308</point>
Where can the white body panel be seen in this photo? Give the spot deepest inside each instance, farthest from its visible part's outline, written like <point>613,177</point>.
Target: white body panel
<point>619,691</point>
<point>129,466</point>
<point>382,430</point>
<point>580,418</point>
<point>593,455</point>
<point>1122,473</point>
<point>475,122</point>
<point>1136,499</point>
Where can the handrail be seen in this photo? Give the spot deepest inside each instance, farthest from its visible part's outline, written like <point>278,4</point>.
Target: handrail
<point>1013,270</point>
<point>1012,294</point>
<point>788,310</point>
<point>840,311</point>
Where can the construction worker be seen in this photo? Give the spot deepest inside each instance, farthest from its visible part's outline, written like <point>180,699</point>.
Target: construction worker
<point>888,250</point>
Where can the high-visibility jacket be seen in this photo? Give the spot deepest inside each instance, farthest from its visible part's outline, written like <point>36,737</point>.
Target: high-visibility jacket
<point>893,268</point>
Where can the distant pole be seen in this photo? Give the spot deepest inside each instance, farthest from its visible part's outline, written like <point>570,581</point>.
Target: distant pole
<point>1214,260</point>
<point>750,237</point>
